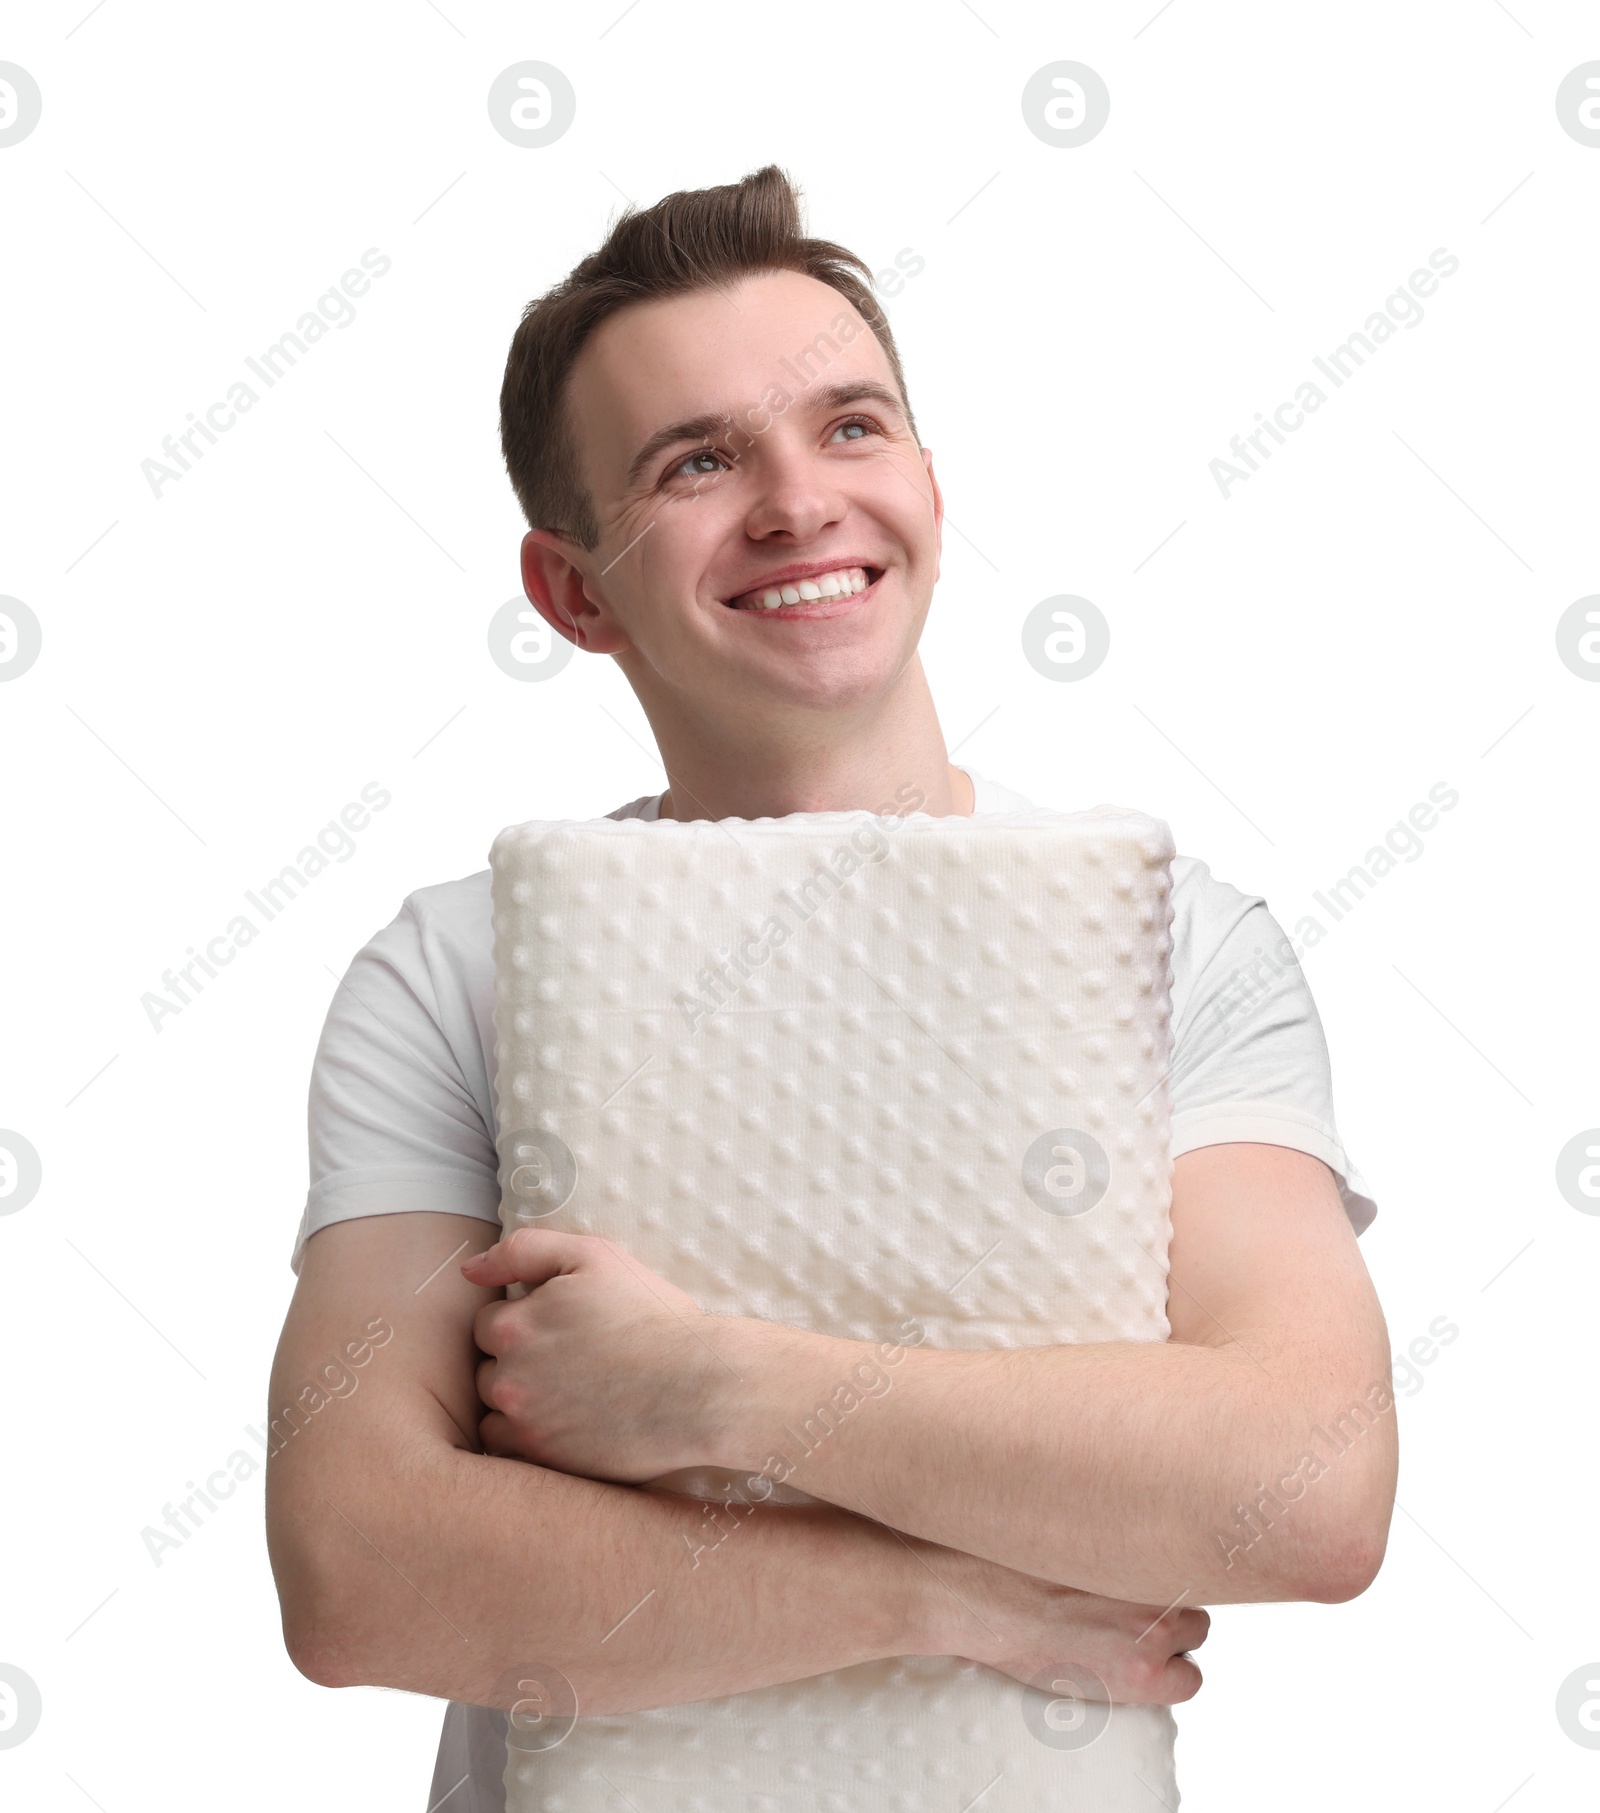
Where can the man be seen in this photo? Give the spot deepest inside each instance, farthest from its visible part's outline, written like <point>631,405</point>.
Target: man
<point>707,426</point>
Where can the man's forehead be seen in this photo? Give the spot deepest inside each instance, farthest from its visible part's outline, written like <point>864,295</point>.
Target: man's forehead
<point>715,352</point>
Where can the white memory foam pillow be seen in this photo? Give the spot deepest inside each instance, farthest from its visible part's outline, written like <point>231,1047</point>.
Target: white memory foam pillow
<point>892,1079</point>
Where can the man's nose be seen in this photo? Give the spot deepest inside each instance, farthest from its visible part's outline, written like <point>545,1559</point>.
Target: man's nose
<point>794,496</point>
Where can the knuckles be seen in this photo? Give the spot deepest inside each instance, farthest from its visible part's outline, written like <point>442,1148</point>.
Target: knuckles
<point>511,1397</point>
<point>502,1390</point>
<point>508,1328</point>
<point>1178,1629</point>
<point>493,1330</point>
<point>1145,1671</point>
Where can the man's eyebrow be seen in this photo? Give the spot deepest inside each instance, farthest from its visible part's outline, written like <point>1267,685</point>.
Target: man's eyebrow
<point>853,390</point>
<point>700,428</point>
<point>691,428</point>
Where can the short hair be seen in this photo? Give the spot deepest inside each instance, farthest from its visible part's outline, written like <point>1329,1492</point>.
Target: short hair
<point>693,239</point>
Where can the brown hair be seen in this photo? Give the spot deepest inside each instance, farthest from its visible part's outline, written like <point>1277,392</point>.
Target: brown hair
<point>690,240</point>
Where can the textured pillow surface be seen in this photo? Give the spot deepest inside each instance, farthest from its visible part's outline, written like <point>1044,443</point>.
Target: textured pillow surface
<point>901,1080</point>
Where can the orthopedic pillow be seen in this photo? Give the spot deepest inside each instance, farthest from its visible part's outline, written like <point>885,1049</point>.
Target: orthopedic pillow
<point>897,1079</point>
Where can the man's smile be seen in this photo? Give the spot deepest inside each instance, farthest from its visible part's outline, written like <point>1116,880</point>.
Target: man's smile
<point>808,589</point>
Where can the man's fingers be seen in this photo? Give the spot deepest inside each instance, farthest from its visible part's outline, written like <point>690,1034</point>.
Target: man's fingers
<point>530,1256</point>
<point>494,1431</point>
<point>1193,1626</point>
<point>1181,1680</point>
<point>1178,1628</point>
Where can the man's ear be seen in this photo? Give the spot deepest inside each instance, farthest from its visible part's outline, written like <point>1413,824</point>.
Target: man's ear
<point>938,511</point>
<point>553,578</point>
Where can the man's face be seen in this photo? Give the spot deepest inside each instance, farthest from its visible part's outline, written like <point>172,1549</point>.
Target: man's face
<point>736,442</point>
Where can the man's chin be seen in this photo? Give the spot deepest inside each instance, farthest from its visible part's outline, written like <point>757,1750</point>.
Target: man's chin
<point>822,680</point>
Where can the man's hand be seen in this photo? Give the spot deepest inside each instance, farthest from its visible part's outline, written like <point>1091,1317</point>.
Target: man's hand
<point>1136,1655</point>
<point>604,1369</point>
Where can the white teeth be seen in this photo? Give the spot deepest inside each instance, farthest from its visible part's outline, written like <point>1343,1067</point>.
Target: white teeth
<point>843,583</point>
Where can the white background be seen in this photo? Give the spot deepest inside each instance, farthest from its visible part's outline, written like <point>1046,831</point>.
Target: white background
<point>304,612</point>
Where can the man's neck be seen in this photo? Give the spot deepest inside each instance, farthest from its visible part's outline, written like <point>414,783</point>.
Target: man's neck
<point>891,761</point>
<point>950,794</point>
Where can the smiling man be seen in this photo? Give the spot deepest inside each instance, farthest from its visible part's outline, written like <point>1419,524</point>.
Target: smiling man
<point>708,429</point>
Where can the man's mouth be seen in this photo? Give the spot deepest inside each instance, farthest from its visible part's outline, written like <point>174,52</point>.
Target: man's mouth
<point>836,584</point>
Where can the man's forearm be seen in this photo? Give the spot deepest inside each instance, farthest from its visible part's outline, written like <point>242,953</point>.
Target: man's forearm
<point>1121,1468</point>
<point>446,1575</point>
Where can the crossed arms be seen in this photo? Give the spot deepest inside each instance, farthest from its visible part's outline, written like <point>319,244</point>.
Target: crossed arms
<point>996,1505</point>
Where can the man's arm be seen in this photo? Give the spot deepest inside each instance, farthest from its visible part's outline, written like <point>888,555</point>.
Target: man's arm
<point>406,1557</point>
<point>1251,1457</point>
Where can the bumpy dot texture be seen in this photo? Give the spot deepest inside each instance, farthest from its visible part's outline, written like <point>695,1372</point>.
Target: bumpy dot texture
<point>894,1079</point>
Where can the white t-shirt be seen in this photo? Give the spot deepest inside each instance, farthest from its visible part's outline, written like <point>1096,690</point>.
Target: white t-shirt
<point>402,1115</point>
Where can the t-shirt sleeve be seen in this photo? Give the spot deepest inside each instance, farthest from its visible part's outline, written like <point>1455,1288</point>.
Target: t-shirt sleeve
<point>1250,1059</point>
<point>392,1117</point>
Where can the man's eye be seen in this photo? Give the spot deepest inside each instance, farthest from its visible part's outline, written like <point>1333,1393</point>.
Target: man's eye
<point>689,469</point>
<point>861,423</point>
